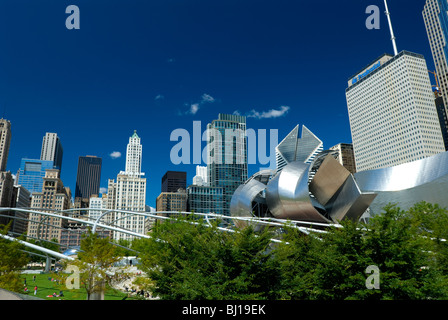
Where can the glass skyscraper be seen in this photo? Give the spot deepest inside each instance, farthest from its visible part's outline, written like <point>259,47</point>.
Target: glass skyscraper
<point>227,155</point>
<point>32,172</point>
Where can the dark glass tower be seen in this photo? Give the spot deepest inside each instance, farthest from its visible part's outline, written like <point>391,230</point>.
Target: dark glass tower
<point>88,177</point>
<point>174,180</point>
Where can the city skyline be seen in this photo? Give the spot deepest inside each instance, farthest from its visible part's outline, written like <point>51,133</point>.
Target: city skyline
<point>160,66</point>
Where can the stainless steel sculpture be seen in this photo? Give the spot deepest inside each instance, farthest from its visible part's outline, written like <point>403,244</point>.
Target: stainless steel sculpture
<point>323,191</point>
<point>408,184</point>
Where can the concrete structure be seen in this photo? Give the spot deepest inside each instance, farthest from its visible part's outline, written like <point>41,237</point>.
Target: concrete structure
<point>54,196</point>
<point>393,117</point>
<point>21,198</point>
<point>5,141</point>
<point>128,192</point>
<point>6,193</point>
<point>436,23</point>
<point>172,201</point>
<point>52,149</point>
<point>200,179</point>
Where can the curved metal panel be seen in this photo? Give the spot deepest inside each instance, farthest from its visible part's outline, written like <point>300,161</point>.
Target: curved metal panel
<point>408,184</point>
<point>287,194</point>
<point>330,177</point>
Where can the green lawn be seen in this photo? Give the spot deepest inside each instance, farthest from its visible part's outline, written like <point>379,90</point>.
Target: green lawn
<point>47,287</point>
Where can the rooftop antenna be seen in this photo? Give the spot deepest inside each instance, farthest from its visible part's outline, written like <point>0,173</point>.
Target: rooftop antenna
<point>390,27</point>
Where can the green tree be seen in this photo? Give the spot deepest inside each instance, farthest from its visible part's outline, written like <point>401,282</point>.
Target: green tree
<point>94,261</point>
<point>12,259</point>
<point>185,260</point>
<point>334,267</point>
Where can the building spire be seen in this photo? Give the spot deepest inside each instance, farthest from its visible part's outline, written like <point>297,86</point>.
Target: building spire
<point>390,27</point>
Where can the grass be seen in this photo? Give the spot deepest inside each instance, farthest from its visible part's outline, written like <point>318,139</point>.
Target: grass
<point>46,287</point>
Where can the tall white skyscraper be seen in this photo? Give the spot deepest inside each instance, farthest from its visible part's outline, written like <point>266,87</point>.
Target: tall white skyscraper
<point>435,16</point>
<point>52,149</point>
<point>134,155</point>
<point>128,193</point>
<point>393,117</point>
<point>5,140</point>
<point>200,179</point>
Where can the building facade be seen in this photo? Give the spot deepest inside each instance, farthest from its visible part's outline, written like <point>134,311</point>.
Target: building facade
<point>5,141</point>
<point>345,156</point>
<point>436,22</point>
<point>227,155</point>
<point>295,147</point>
<point>128,193</point>
<point>393,117</point>
<point>32,172</point>
<point>6,194</point>
<point>88,177</point>
<point>172,201</point>
<point>53,196</point>
<point>200,179</point>
<point>205,199</point>
<point>52,149</point>
<point>174,180</point>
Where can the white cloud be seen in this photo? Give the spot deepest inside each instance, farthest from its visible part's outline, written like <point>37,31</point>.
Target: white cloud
<point>103,190</point>
<point>273,113</point>
<point>115,154</point>
<point>159,97</point>
<point>207,98</point>
<point>194,107</point>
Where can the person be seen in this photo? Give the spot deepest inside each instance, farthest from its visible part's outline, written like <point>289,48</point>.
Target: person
<point>35,290</point>
<point>34,278</point>
<point>61,294</point>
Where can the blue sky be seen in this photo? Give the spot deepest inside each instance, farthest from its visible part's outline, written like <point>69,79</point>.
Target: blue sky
<point>146,64</point>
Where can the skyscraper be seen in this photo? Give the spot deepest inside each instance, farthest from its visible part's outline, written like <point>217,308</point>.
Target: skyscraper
<point>5,140</point>
<point>174,180</point>
<point>89,177</point>
<point>435,17</point>
<point>392,113</point>
<point>52,149</point>
<point>227,155</point>
<point>32,172</point>
<point>128,193</point>
<point>53,196</point>
<point>134,155</point>
<point>302,148</point>
<point>345,156</point>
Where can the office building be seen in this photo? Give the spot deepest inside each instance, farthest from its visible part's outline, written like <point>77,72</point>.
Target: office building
<point>293,147</point>
<point>393,117</point>
<point>134,155</point>
<point>205,199</point>
<point>6,193</point>
<point>227,155</point>
<point>174,180</point>
<point>88,178</point>
<point>53,197</point>
<point>200,179</point>
<point>345,156</point>
<point>128,192</point>
<point>96,206</point>
<point>52,149</point>
<point>21,198</point>
<point>443,119</point>
<point>172,201</point>
<point>32,172</point>
<point>436,23</point>
<point>5,140</point>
